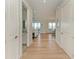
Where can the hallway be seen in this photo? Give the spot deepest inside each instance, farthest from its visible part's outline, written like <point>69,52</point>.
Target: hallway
<point>25,17</point>
<point>44,47</point>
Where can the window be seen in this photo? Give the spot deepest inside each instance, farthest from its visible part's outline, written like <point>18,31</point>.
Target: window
<point>54,26</point>
<point>51,26</point>
<point>36,25</point>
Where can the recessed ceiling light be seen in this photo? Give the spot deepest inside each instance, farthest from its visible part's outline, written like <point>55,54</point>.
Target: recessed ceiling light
<point>44,1</point>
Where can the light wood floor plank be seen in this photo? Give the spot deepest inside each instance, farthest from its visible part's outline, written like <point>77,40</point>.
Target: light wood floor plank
<point>44,47</point>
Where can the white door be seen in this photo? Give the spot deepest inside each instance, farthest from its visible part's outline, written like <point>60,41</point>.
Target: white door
<point>12,29</point>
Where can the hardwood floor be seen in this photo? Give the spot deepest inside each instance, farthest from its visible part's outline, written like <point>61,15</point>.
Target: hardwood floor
<point>44,47</point>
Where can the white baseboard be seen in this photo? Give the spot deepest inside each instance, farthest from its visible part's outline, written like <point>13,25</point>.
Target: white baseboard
<point>67,52</point>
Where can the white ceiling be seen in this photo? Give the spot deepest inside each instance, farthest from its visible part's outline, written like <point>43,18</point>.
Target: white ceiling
<point>44,10</point>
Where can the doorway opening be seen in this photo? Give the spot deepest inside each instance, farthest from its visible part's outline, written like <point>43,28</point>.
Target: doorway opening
<point>36,26</point>
<point>24,27</point>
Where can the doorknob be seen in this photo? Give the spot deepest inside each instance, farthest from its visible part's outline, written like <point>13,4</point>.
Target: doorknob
<point>16,37</point>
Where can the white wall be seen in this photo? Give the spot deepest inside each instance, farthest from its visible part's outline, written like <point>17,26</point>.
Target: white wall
<point>65,30</point>
<point>29,27</point>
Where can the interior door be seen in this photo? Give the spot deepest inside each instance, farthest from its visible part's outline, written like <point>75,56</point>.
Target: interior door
<point>12,29</point>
